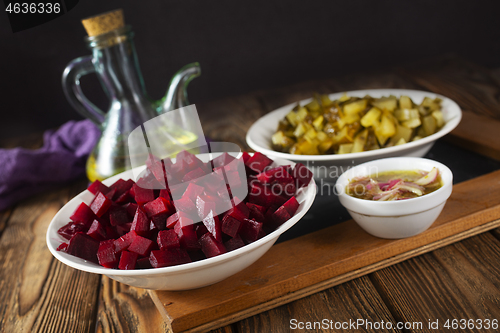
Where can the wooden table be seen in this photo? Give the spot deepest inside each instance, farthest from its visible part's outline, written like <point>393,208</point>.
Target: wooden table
<point>459,281</point>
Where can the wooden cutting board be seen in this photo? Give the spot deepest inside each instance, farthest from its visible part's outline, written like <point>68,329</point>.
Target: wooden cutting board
<point>320,260</point>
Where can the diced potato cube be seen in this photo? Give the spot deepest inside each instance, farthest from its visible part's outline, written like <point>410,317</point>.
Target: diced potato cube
<point>325,100</point>
<point>281,142</point>
<point>313,105</point>
<point>412,123</point>
<point>318,123</point>
<point>347,120</point>
<point>355,107</point>
<point>401,141</point>
<point>387,126</point>
<point>292,118</point>
<point>343,136</point>
<point>372,115</point>
<point>406,114</point>
<point>344,98</point>
<point>345,148</point>
<point>321,136</point>
<point>405,102</point>
<point>310,135</point>
<point>402,132</point>
<point>386,104</point>
<point>324,146</point>
<point>438,115</point>
<point>308,148</point>
<point>360,141</point>
<point>300,130</point>
<point>418,137</point>
<point>301,114</point>
<point>430,104</point>
<point>429,125</point>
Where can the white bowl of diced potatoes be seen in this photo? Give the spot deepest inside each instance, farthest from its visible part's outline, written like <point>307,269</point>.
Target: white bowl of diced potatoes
<point>401,122</point>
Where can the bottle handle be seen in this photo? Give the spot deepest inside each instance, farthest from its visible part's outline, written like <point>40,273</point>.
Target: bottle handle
<point>71,87</point>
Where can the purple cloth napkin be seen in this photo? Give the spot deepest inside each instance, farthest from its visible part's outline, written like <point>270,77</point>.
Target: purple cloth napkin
<point>24,172</point>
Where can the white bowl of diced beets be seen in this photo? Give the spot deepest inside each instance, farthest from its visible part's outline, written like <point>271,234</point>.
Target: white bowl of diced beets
<point>137,236</point>
<point>395,197</point>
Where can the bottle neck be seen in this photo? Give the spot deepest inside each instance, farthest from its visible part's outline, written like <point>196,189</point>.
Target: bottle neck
<point>118,69</point>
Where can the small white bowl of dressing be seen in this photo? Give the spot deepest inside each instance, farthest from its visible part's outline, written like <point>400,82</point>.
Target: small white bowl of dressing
<point>398,218</point>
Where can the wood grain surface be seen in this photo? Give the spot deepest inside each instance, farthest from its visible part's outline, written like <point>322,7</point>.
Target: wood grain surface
<point>39,294</point>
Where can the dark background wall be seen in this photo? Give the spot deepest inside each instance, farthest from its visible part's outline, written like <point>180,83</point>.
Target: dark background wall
<point>241,45</point>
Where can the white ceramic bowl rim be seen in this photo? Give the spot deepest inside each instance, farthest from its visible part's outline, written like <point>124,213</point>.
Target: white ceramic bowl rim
<point>399,207</point>
<point>451,123</point>
<point>78,263</point>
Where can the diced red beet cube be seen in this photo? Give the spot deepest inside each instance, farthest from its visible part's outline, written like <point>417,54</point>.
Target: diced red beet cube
<point>210,246</point>
<point>185,204</point>
<point>239,212</point>
<point>159,206</point>
<point>286,186</point>
<point>83,246</point>
<point>165,193</point>
<point>235,179</point>
<point>128,260</point>
<point>193,191</point>
<point>171,257</point>
<point>280,216</point>
<point>110,194</point>
<point>291,206</point>
<point>230,225</point>
<point>167,239</point>
<point>124,198</point>
<point>122,187</point>
<point>69,230</point>
<point>200,230</point>
<point>155,165</point>
<point>191,160</point>
<point>124,241</point>
<point>204,205</point>
<point>212,182</point>
<point>213,225</point>
<point>222,160</point>
<point>100,204</point>
<point>187,235</point>
<point>245,157</point>
<point>106,254</point>
<point>159,221</point>
<point>194,174</point>
<point>172,219</point>
<point>83,215</point>
<point>143,263</point>
<point>251,230</point>
<point>260,194</point>
<point>118,215</point>
<point>140,245</point>
<point>256,212</point>
<point>62,247</point>
<point>97,186</point>
<point>148,180</point>
<point>258,162</point>
<point>97,231</point>
<point>234,243</point>
<point>140,224</point>
<point>122,229</point>
<point>130,208</point>
<point>143,195</point>
<point>271,175</point>
<point>302,175</point>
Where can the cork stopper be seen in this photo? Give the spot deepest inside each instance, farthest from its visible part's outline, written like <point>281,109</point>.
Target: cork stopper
<point>103,23</point>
